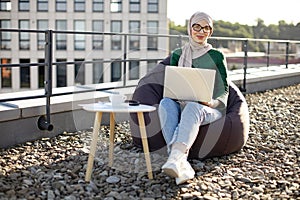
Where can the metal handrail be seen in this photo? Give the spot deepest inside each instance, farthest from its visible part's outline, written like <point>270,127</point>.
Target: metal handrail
<point>44,122</point>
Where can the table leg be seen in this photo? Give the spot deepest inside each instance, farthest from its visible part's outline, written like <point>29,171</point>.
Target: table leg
<point>93,146</point>
<point>111,139</point>
<point>145,143</point>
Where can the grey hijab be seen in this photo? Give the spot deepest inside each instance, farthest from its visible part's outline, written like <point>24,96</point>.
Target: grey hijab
<point>192,49</point>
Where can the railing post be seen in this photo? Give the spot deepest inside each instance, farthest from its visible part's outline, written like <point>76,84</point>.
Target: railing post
<point>125,62</point>
<point>217,43</point>
<point>44,123</point>
<point>180,41</point>
<point>287,55</point>
<point>268,55</point>
<point>245,47</point>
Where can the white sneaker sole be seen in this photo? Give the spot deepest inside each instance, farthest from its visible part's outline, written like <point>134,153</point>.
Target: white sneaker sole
<point>184,178</point>
<point>170,170</point>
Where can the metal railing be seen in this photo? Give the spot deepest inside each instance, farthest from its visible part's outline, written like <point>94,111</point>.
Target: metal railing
<point>44,122</point>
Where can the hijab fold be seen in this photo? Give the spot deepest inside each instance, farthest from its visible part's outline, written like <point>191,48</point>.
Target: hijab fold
<point>193,49</point>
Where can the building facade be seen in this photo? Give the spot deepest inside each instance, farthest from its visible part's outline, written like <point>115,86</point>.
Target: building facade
<point>71,49</point>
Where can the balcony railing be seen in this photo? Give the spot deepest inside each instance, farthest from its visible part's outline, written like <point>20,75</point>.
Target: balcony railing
<point>244,46</point>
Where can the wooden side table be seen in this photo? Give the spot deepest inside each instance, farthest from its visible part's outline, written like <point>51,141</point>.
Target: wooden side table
<point>101,108</point>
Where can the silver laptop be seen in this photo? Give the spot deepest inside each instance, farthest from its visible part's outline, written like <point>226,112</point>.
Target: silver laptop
<point>186,83</point>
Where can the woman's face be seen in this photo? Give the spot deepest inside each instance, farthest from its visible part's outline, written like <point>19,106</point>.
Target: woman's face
<point>200,31</point>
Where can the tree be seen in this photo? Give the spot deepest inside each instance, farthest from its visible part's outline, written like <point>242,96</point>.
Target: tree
<point>260,31</point>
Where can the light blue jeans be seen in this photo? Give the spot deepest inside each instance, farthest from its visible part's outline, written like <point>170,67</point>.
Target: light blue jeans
<point>181,123</point>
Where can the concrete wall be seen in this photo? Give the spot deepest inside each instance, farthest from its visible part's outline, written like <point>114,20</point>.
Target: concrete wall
<point>19,120</point>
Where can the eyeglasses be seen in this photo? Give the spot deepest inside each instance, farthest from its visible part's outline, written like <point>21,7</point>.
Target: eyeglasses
<point>198,28</point>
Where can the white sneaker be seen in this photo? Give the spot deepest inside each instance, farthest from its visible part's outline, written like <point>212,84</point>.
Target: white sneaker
<point>187,173</point>
<point>173,165</point>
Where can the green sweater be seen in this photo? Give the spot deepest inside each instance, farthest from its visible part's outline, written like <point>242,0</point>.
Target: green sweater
<point>213,59</point>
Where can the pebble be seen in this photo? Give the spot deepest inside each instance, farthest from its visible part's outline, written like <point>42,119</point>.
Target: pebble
<point>266,168</point>
<point>113,179</point>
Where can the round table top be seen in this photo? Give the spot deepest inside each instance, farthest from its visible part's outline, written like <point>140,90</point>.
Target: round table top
<point>125,107</point>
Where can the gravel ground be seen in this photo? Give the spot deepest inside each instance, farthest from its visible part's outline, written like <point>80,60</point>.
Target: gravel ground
<point>266,168</point>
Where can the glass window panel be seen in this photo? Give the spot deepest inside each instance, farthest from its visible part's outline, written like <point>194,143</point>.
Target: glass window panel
<point>134,70</point>
<point>5,41</point>
<point>41,73</point>
<point>116,71</point>
<point>6,81</point>
<point>151,65</point>
<point>79,5</point>
<point>41,25</point>
<point>116,26</point>
<point>79,40</point>
<point>5,5</point>
<point>152,28</point>
<point>24,74</point>
<point>61,73</point>
<point>98,26</point>
<point>24,40</point>
<point>116,41</point>
<point>61,39</point>
<point>153,6</point>
<point>135,6</point>
<point>98,71</point>
<point>61,5</point>
<point>98,5</point>
<point>24,5</point>
<point>134,41</point>
<point>152,43</point>
<point>79,71</point>
<point>42,5</point>
<point>116,5</point>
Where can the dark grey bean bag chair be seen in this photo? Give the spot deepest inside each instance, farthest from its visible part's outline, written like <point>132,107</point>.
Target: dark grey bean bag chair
<point>227,135</point>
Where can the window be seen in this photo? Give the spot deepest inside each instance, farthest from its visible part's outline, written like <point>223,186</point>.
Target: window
<point>134,70</point>
<point>134,6</point>
<point>152,42</point>
<point>61,73</point>
<point>98,5</point>
<point>151,65</point>
<point>79,40</point>
<point>115,5</point>
<point>42,5</point>
<point>98,71</point>
<point>41,73</point>
<point>6,74</point>
<point>61,5</point>
<point>61,39</point>
<point>79,5</point>
<point>134,41</point>
<point>24,5</point>
<point>98,26</point>
<point>152,6</point>
<point>41,25</point>
<point>25,74</point>
<point>24,40</point>
<point>5,36</point>
<point>116,71</point>
<point>5,5</point>
<point>79,71</point>
<point>116,40</point>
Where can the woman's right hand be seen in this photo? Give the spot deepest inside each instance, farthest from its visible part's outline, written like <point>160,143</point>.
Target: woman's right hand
<point>213,103</point>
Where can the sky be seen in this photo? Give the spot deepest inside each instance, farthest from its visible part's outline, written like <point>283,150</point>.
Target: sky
<point>241,11</point>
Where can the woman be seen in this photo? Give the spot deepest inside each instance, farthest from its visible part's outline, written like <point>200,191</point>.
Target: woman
<point>179,120</point>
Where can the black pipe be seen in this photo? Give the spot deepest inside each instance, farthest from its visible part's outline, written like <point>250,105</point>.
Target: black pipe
<point>43,124</point>
<point>245,48</point>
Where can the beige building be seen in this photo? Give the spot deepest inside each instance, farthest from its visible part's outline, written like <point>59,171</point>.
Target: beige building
<point>94,16</point>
